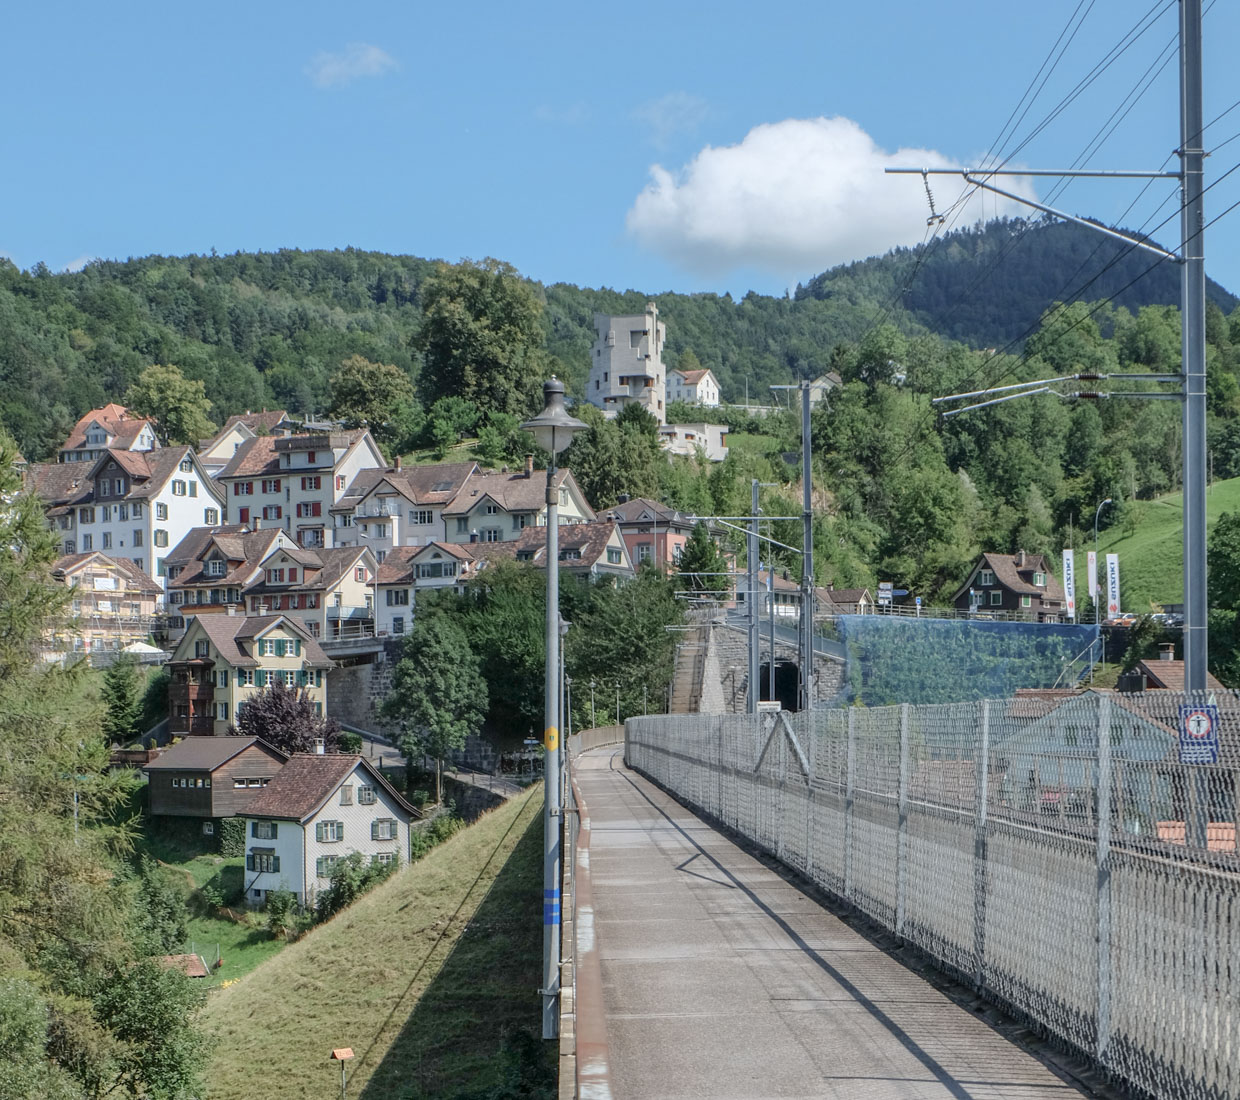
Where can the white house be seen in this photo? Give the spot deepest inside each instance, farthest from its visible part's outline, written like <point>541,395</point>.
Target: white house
<point>688,439</point>
<point>216,453</point>
<point>626,363</point>
<point>314,811</point>
<point>410,569</point>
<point>496,506</point>
<point>694,387</point>
<point>294,480</point>
<point>398,506</point>
<point>129,504</point>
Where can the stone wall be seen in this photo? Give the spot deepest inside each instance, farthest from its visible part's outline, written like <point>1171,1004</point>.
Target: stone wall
<point>355,692</point>
<point>727,671</point>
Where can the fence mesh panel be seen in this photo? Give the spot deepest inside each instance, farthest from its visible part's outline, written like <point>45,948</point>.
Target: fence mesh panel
<point>1066,853</point>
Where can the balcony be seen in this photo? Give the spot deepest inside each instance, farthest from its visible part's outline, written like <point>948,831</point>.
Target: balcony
<point>349,614</point>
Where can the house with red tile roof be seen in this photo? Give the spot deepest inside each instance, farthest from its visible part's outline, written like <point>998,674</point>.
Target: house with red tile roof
<point>651,531</point>
<point>1012,586</point>
<point>694,387</point>
<point>129,504</point>
<point>408,570</point>
<point>224,660</point>
<point>384,508</point>
<point>293,481</point>
<point>595,550</point>
<point>331,591</point>
<point>110,427</point>
<point>499,505</point>
<point>318,809</point>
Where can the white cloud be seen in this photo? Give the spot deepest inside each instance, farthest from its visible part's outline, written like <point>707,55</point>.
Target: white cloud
<point>80,262</point>
<point>795,198</point>
<point>672,114</point>
<point>335,70</point>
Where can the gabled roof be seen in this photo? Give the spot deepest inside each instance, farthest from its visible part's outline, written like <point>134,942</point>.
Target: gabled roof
<point>255,457</point>
<point>513,492</point>
<point>1171,675</point>
<point>233,637</point>
<point>1008,575</point>
<point>123,426</point>
<point>242,548</point>
<point>589,540</point>
<point>324,569</point>
<point>399,566</point>
<point>58,483</point>
<point>259,423</point>
<point>134,577</point>
<point>693,377</point>
<point>308,780</point>
<point>208,753</point>
<point>643,510</point>
<point>421,485</point>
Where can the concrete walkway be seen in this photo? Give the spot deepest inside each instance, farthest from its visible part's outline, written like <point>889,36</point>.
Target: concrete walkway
<point>719,979</point>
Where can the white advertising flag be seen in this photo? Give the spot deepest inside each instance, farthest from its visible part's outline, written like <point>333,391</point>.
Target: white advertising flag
<point>1091,574</point>
<point>1112,585</point>
<point>1069,583</point>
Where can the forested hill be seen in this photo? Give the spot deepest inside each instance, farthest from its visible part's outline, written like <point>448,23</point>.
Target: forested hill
<point>988,286</point>
<point>270,329</point>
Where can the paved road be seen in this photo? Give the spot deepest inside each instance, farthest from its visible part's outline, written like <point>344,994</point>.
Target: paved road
<point>719,979</point>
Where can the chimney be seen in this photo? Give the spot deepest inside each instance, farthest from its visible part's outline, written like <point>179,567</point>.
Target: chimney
<point>529,465</point>
<point>623,498</point>
<point>319,747</point>
<point>1020,559</point>
<point>1166,651</point>
<point>398,462</point>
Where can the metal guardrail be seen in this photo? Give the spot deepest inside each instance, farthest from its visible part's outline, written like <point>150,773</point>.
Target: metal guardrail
<point>1049,857</point>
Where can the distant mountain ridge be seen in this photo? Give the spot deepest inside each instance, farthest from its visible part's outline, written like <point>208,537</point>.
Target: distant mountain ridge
<point>988,285</point>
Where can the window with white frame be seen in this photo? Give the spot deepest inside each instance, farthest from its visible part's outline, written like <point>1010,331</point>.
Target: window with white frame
<point>217,567</point>
<point>398,597</point>
<point>383,828</point>
<point>161,511</point>
<point>329,832</point>
<point>1026,601</point>
<point>137,510</point>
<point>179,488</point>
<point>264,830</point>
<point>271,485</point>
<point>186,465</point>
<point>986,578</point>
<point>262,860</point>
<point>491,534</point>
<point>107,540</point>
<point>323,866</point>
<point>161,537</point>
<point>346,794</point>
<point>384,859</point>
<point>202,649</point>
<point>122,512</point>
<point>996,598</point>
<point>421,517</point>
<point>366,796</point>
<point>137,536</point>
<point>211,516</point>
<point>221,712</point>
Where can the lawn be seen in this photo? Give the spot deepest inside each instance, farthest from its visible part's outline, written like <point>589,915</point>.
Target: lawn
<point>1151,558</point>
<point>430,978</point>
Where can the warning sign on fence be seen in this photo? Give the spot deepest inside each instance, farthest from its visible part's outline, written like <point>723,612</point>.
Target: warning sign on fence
<point>1198,733</point>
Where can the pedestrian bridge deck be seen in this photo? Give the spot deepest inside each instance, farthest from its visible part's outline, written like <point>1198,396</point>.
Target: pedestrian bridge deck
<point>718,978</point>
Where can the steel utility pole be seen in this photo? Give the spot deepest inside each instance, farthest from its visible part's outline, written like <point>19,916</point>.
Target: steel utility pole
<point>1192,373</point>
<point>1192,233</point>
<point>751,602</point>
<point>807,557</point>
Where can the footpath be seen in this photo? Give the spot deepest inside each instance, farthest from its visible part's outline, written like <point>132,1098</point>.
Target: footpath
<point>717,978</point>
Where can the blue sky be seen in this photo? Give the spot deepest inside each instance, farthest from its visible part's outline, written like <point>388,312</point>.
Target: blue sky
<point>702,148</point>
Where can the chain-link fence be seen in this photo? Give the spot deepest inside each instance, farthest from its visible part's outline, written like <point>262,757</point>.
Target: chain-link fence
<point>1053,849</point>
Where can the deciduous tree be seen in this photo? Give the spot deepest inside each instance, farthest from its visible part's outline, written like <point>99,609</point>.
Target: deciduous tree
<point>284,717</point>
<point>437,691</point>
<point>178,404</point>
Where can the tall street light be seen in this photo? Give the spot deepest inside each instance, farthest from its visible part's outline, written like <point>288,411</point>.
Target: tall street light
<point>553,429</point>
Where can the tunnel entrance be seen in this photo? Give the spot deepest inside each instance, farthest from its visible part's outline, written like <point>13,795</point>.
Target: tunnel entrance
<point>787,684</point>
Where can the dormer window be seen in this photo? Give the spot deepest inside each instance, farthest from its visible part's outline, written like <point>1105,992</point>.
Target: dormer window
<point>986,577</point>
<point>216,567</point>
<point>1039,579</point>
<point>186,465</point>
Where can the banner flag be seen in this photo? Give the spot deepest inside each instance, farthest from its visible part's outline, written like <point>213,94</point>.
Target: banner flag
<point>1091,574</point>
<point>1069,584</point>
<point>1112,585</point>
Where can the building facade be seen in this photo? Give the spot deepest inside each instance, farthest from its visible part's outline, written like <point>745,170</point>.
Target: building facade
<point>626,363</point>
<point>224,660</point>
<point>110,427</point>
<point>113,604</point>
<point>693,387</point>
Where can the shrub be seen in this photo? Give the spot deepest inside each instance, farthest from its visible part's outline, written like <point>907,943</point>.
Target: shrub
<point>231,834</point>
<point>349,742</point>
<point>281,912</point>
<point>352,876</point>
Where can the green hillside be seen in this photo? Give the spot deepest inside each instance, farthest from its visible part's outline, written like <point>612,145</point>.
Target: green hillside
<point>1151,554</point>
<point>430,979</point>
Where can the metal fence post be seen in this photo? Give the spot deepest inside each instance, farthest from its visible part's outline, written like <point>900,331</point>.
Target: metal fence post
<point>902,823</point>
<point>1103,798</point>
<point>979,849</point>
<point>850,766</point>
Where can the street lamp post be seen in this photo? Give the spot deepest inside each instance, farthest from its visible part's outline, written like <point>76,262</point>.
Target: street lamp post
<point>593,723</point>
<point>553,429</point>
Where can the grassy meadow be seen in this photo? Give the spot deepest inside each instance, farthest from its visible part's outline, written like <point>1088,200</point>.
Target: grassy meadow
<point>430,978</point>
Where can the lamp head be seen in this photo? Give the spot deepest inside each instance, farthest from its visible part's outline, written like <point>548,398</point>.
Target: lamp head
<point>553,428</point>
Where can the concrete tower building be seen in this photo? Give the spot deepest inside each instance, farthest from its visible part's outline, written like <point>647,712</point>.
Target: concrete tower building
<point>626,363</point>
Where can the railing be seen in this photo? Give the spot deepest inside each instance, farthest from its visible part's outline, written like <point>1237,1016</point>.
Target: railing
<point>1040,855</point>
